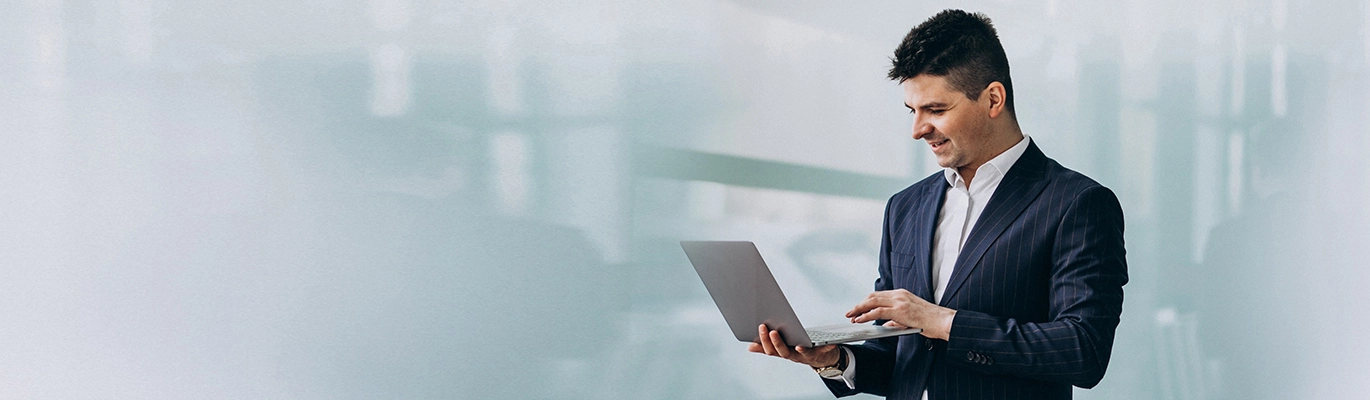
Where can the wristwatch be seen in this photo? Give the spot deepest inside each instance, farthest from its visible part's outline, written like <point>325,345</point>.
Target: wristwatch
<point>834,371</point>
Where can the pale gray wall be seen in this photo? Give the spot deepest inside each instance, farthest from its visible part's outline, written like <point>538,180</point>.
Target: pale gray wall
<point>481,199</point>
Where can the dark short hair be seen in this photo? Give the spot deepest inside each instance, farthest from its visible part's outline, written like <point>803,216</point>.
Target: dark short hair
<point>960,46</point>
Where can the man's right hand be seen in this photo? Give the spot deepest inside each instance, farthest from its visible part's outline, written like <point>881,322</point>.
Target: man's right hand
<point>772,344</point>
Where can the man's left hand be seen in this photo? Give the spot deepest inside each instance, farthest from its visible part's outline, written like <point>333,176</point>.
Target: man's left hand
<point>902,308</point>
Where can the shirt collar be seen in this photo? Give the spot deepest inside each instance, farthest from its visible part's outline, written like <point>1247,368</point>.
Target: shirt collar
<point>1000,163</point>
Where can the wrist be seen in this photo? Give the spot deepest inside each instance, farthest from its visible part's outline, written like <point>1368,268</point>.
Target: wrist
<point>944,324</point>
<point>837,360</point>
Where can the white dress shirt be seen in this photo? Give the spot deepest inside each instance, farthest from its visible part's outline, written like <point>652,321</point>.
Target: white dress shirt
<point>960,209</point>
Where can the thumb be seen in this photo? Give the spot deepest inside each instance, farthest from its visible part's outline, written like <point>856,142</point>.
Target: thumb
<point>892,324</point>
<point>816,350</point>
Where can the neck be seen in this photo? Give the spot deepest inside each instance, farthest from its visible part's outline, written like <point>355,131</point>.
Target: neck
<point>1000,145</point>
<point>967,172</point>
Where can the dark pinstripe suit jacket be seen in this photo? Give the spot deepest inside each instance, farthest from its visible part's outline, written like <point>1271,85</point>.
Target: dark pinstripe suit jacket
<point>1038,289</point>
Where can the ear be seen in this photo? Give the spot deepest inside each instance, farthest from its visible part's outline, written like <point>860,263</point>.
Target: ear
<point>997,96</point>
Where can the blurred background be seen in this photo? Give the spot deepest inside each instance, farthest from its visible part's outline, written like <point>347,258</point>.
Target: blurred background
<point>483,199</point>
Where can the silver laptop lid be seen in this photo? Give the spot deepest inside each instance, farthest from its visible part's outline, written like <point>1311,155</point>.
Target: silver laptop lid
<point>744,290</point>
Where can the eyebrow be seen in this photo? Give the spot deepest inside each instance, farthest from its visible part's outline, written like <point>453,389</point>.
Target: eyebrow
<point>934,104</point>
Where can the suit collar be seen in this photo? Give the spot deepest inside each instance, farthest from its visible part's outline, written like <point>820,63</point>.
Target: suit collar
<point>1000,163</point>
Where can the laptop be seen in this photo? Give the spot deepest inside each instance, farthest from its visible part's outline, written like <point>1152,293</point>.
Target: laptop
<point>747,294</point>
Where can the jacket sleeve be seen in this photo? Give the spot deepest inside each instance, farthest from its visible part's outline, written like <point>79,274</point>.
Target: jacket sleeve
<point>1088,272</point>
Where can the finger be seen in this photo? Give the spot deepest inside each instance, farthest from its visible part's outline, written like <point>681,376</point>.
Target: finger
<point>895,325</point>
<point>755,348</point>
<point>861,306</point>
<point>871,315</point>
<point>882,294</point>
<point>873,300</point>
<point>779,344</point>
<point>763,334</point>
<point>809,352</point>
<point>866,307</point>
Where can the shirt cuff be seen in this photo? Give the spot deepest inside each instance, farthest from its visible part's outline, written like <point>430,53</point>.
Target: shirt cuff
<point>849,374</point>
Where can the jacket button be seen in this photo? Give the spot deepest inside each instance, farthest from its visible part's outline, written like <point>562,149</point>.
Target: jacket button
<point>989,361</point>
<point>970,356</point>
<point>927,343</point>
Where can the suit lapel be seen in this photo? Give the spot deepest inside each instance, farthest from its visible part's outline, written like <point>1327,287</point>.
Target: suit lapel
<point>926,225</point>
<point>1025,180</point>
<point>919,229</point>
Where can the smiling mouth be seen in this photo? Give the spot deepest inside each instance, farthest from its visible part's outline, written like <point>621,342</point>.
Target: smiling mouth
<point>939,143</point>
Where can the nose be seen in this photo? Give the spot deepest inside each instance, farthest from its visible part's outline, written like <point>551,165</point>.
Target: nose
<point>920,128</point>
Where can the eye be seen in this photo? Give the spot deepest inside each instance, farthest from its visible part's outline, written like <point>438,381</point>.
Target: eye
<point>937,111</point>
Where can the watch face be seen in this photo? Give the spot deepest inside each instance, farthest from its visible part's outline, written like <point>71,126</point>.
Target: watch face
<point>830,373</point>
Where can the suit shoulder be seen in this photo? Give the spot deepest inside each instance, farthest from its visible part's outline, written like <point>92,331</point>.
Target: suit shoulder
<point>907,202</point>
<point>912,193</point>
<point>1069,180</point>
<point>1078,190</point>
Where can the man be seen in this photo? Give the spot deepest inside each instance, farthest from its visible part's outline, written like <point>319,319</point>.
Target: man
<point>1012,264</point>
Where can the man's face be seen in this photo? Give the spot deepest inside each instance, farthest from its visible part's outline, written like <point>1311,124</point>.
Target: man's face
<point>957,128</point>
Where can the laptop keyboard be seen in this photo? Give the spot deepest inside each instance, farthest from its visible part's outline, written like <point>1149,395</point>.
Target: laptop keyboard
<point>822,336</point>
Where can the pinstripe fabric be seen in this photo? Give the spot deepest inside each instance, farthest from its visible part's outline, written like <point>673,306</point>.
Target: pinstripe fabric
<point>1037,288</point>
